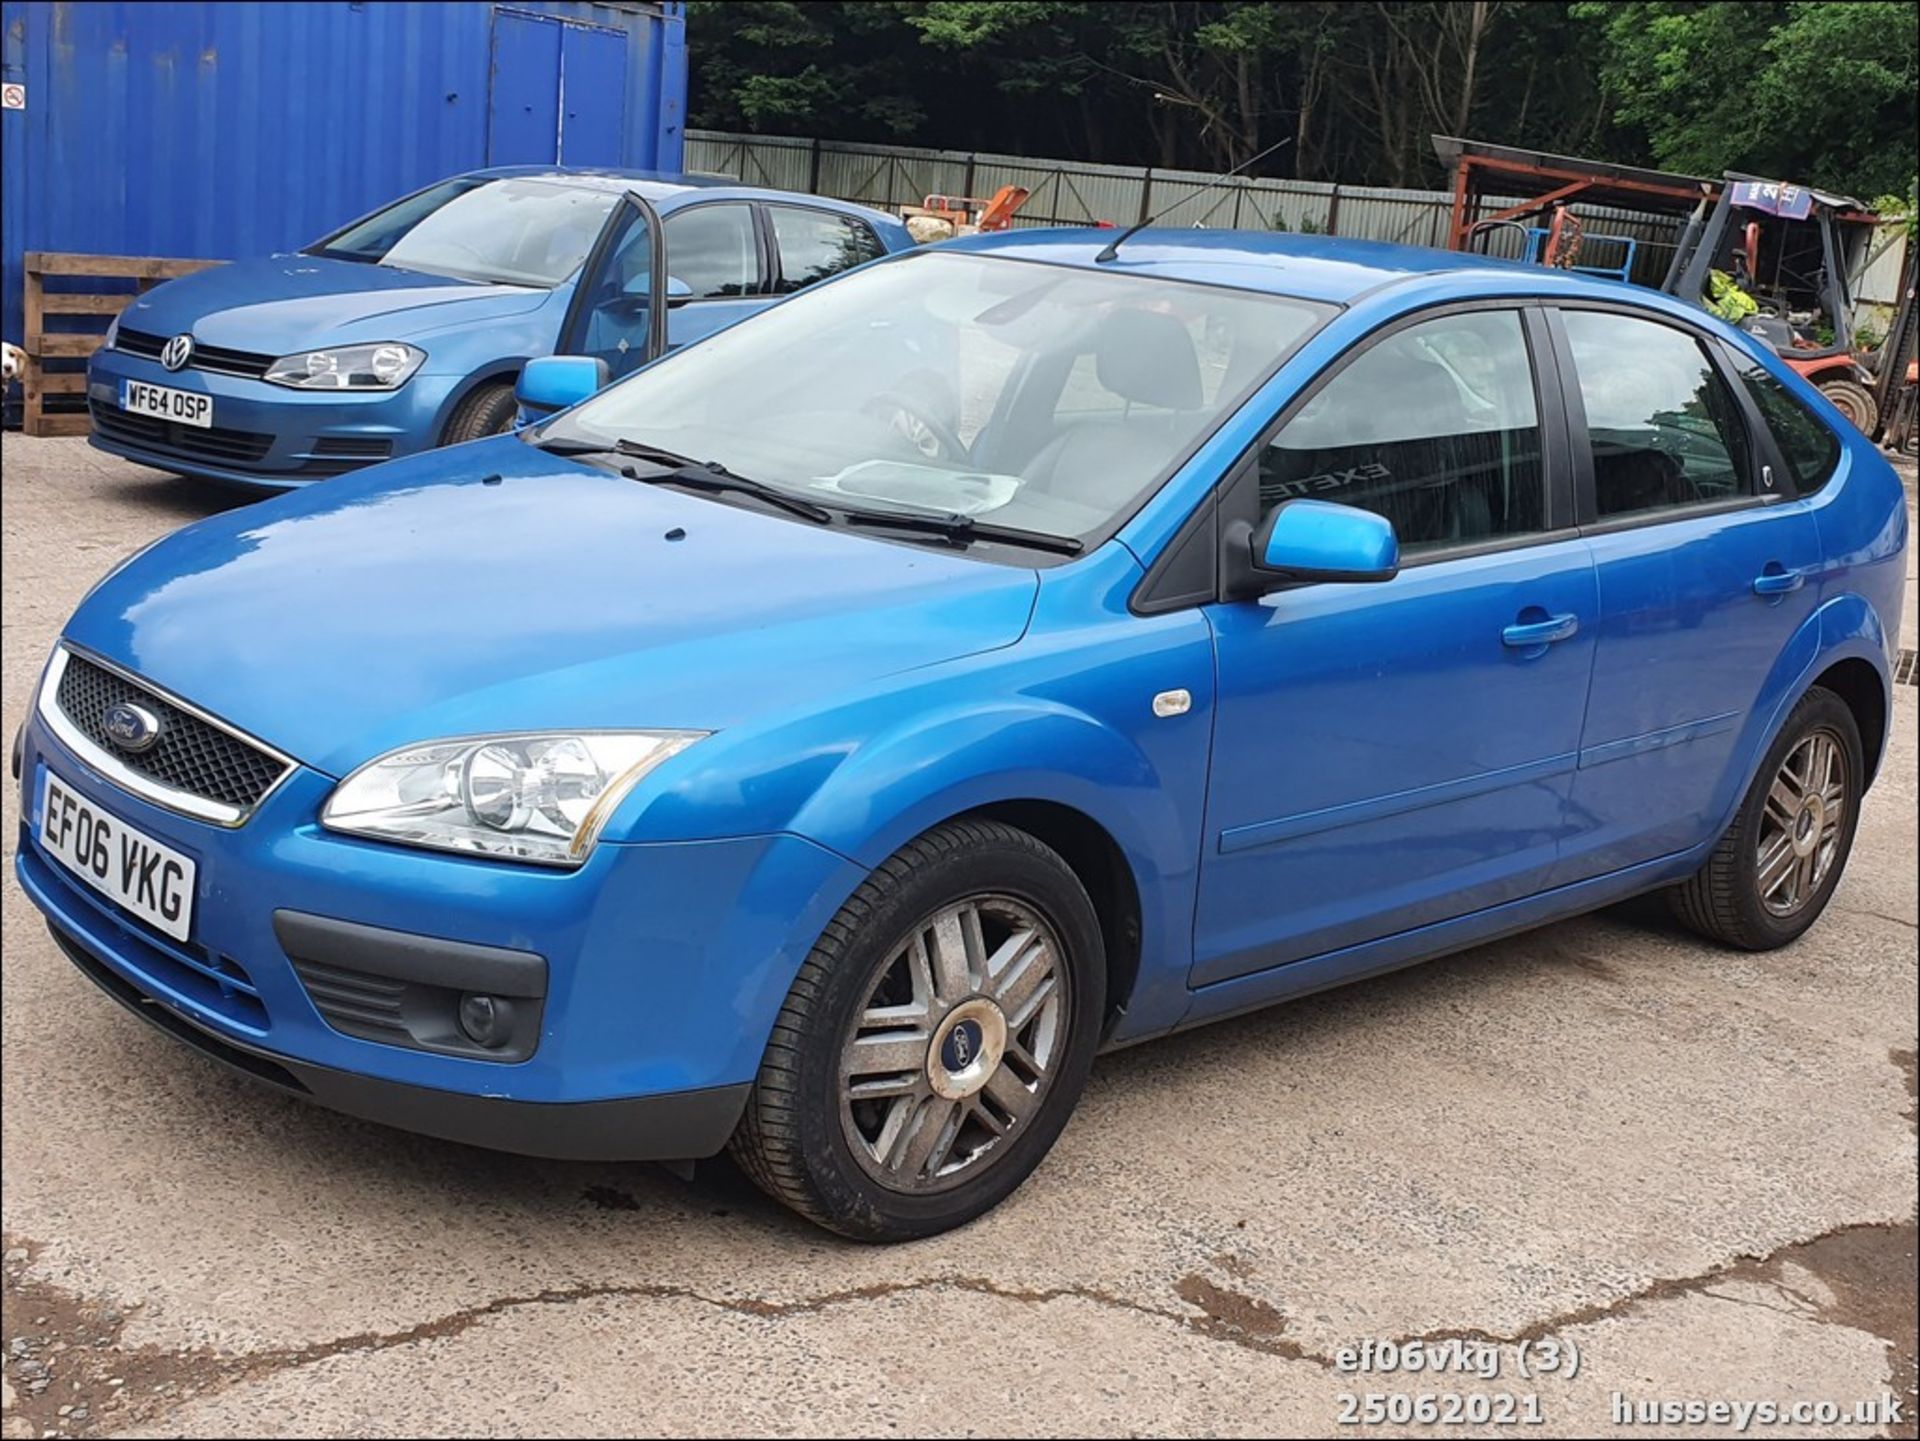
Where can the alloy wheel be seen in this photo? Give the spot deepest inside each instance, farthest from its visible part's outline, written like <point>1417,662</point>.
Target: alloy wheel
<point>1801,823</point>
<point>955,1046</point>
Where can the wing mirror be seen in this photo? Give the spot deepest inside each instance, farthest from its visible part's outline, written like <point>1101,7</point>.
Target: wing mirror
<point>678,291</point>
<point>554,382</point>
<point>1314,540</point>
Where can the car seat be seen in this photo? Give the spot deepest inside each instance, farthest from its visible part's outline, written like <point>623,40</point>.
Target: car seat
<point>1147,359</point>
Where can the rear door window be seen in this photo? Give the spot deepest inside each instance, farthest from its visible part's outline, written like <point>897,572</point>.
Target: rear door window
<point>1665,429</point>
<point>711,251</point>
<point>813,244</point>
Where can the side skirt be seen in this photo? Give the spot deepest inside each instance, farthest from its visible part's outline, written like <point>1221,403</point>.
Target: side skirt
<point>1373,958</point>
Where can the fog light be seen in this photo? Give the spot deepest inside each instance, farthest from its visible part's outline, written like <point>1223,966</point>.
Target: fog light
<point>487,1020</point>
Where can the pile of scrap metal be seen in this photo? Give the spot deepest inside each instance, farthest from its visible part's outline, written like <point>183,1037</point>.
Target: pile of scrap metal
<point>941,217</point>
<point>1782,273</point>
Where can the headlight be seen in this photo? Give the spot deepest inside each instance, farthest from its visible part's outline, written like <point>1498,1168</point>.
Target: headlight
<point>348,367</point>
<point>539,798</point>
<point>113,333</point>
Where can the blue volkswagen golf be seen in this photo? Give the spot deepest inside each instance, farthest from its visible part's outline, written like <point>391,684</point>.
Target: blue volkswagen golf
<point>825,741</point>
<point>405,329</point>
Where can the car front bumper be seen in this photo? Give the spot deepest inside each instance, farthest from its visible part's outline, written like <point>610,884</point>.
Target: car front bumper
<point>685,1125</point>
<point>263,435</point>
<point>666,965</point>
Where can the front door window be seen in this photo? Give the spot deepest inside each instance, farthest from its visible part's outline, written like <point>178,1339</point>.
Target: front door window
<point>1434,428</point>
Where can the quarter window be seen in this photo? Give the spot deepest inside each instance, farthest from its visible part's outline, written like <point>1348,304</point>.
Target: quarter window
<point>1810,448</point>
<point>814,244</point>
<point>1435,428</point>
<point>710,250</point>
<point>1663,426</point>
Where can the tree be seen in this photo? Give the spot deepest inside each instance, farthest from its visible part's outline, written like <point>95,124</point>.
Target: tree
<point>1817,93</point>
<point>1820,93</point>
<point>805,67</point>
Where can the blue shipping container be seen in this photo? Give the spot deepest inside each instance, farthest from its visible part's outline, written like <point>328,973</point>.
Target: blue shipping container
<point>226,130</point>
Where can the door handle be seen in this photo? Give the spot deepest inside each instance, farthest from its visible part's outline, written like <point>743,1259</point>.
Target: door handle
<point>1524,635</point>
<point>1775,581</point>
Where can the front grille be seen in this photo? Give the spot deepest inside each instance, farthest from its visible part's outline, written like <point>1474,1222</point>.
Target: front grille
<point>354,447</point>
<point>191,754</point>
<point>216,359</point>
<point>338,454</point>
<point>245,447</point>
<point>218,983</point>
<point>136,1001</point>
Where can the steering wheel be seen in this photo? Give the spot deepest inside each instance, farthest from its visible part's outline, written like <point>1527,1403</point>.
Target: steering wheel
<point>910,419</point>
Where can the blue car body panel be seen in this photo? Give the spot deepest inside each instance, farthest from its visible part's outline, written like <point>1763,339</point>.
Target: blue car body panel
<point>1369,817</point>
<point>1683,652</point>
<point>812,613</point>
<point>1363,776</point>
<point>473,333</point>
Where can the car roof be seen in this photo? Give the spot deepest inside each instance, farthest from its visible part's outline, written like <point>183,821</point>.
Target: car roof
<point>1306,267</point>
<point>667,189</point>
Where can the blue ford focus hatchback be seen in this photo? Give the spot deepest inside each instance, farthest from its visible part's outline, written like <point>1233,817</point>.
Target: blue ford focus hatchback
<point>405,329</point>
<point>825,741</point>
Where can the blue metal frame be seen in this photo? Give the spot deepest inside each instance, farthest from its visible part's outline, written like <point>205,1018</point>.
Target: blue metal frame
<point>1537,236</point>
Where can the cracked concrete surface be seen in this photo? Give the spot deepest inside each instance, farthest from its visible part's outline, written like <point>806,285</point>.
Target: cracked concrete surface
<point>1696,1166</point>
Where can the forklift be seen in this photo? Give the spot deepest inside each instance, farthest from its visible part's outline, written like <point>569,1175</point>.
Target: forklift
<point>1780,245</point>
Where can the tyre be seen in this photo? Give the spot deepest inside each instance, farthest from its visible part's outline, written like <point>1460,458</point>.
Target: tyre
<point>1854,401</point>
<point>1774,870</point>
<point>488,410</point>
<point>935,1040</point>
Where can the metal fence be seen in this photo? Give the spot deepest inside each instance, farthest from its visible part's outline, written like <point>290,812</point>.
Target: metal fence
<point>1074,193</point>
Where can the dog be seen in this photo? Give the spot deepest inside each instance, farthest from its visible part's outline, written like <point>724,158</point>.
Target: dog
<point>13,363</point>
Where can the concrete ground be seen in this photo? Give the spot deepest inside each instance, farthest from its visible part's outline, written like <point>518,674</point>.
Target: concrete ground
<point>1694,1168</point>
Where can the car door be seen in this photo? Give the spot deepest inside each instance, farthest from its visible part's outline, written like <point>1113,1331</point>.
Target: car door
<point>1703,557</point>
<point>1391,755</point>
<point>715,269</point>
<point>618,313</point>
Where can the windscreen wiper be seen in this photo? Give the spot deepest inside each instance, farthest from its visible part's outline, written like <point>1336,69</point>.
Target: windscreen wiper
<point>962,529</point>
<point>678,469</point>
<point>562,445</point>
<point>711,476</point>
<point>683,470</point>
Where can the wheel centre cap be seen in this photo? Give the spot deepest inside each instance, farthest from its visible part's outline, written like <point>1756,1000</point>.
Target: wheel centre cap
<point>961,1046</point>
<point>1808,825</point>
<point>966,1049</point>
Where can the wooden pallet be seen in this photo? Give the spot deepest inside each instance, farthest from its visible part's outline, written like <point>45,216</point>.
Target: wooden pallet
<point>43,345</point>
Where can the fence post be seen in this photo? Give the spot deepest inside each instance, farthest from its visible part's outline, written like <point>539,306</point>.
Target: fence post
<point>813,168</point>
<point>966,185</point>
<point>1333,211</point>
<point>1239,194</point>
<point>1146,196</point>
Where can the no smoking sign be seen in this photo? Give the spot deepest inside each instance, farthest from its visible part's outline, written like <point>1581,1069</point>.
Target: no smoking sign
<point>13,97</point>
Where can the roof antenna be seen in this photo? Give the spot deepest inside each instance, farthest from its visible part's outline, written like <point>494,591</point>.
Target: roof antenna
<point>1112,250</point>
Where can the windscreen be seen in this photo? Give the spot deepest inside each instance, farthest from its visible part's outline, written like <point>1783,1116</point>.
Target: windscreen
<point>1043,397</point>
<point>514,232</point>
